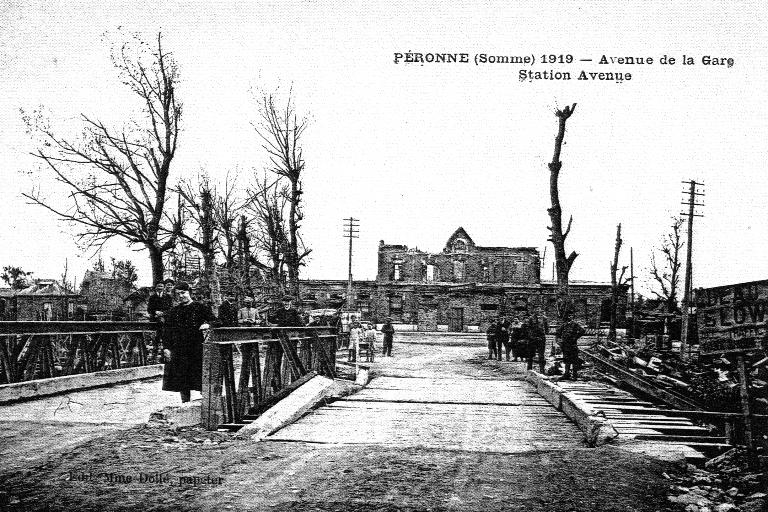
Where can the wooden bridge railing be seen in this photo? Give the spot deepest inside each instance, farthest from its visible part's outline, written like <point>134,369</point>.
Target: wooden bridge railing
<point>32,350</point>
<point>288,353</point>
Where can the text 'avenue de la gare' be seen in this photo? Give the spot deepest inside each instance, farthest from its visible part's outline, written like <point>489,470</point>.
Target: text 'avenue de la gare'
<point>410,57</point>
<point>531,75</point>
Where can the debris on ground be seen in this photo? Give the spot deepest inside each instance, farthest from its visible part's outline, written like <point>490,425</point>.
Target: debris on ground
<point>726,483</point>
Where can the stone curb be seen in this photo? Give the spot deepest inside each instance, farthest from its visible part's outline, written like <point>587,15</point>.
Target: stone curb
<point>184,415</point>
<point>597,430</point>
<point>289,409</point>
<point>31,389</point>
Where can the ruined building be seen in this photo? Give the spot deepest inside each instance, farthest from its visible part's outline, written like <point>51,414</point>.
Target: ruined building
<point>459,289</point>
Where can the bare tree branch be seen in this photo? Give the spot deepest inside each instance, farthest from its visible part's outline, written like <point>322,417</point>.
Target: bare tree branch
<point>117,183</point>
<point>666,274</point>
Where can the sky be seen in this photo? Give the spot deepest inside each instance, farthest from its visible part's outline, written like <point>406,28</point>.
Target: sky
<point>415,151</point>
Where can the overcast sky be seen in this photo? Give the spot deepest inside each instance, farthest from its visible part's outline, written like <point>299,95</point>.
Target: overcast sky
<point>415,151</point>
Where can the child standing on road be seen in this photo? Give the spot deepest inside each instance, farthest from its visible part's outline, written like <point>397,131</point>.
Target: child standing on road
<point>355,333</point>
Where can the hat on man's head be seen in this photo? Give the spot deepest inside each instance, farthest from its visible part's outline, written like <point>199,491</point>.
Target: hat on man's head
<point>169,281</point>
<point>287,298</point>
<point>183,287</point>
<point>248,299</point>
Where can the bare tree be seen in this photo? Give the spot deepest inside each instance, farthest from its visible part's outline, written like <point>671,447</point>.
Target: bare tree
<point>563,263</point>
<point>197,206</point>
<point>118,181</point>
<point>618,283</point>
<point>666,274</point>
<point>280,129</point>
<point>267,204</point>
<point>226,211</point>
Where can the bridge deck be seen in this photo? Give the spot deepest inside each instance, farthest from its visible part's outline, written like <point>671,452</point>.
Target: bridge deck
<point>504,416</point>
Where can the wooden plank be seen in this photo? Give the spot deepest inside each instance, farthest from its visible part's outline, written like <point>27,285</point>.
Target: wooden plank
<point>232,335</point>
<point>79,327</point>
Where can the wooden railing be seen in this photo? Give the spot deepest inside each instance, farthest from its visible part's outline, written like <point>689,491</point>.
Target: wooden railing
<point>33,350</point>
<point>289,355</point>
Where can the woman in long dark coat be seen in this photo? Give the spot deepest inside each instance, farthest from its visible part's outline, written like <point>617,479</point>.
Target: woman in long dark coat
<point>184,325</point>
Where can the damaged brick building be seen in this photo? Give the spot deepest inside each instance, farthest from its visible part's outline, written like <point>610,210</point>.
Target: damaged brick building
<point>459,289</point>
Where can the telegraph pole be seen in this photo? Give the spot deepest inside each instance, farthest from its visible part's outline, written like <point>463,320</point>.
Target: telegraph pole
<point>350,231</point>
<point>691,203</point>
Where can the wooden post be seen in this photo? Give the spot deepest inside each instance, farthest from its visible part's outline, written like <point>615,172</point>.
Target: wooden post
<point>211,412</point>
<point>229,384</point>
<point>243,395</point>
<point>744,389</point>
<point>258,392</point>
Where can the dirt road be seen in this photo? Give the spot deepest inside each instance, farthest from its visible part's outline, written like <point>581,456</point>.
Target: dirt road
<point>439,428</point>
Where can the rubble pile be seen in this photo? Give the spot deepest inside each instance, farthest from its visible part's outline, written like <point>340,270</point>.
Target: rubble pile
<point>712,382</point>
<point>725,484</point>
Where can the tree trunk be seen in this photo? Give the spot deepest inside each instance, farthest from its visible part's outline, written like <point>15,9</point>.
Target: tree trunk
<point>562,263</point>
<point>206,223</point>
<point>293,256</point>
<point>156,258</point>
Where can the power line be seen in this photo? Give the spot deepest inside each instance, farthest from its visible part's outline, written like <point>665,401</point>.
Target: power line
<point>350,231</point>
<point>692,194</point>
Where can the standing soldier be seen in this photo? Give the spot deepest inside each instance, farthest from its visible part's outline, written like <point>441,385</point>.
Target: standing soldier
<point>389,332</point>
<point>537,340</point>
<point>491,335</point>
<point>569,333</point>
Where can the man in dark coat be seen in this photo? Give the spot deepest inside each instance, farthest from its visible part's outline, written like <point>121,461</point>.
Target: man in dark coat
<point>389,333</point>
<point>157,305</point>
<point>569,333</point>
<point>184,326</point>
<point>228,312</point>
<point>286,316</point>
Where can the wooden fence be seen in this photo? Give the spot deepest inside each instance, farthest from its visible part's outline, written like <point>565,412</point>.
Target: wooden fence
<point>290,356</point>
<point>34,350</point>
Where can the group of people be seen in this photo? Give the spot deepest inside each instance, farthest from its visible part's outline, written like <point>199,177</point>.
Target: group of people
<point>525,340</point>
<point>183,322</point>
<point>248,315</point>
<point>359,334</point>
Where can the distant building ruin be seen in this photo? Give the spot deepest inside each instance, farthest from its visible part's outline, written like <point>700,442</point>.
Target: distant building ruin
<point>460,289</point>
